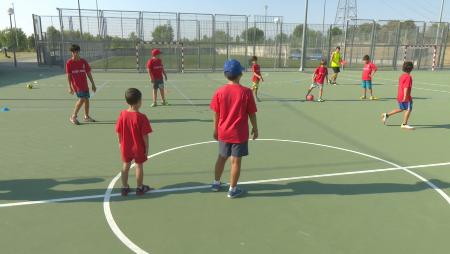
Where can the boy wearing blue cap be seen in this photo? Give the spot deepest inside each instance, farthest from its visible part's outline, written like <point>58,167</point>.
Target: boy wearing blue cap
<point>233,105</point>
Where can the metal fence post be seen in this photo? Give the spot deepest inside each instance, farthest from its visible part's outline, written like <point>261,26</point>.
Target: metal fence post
<point>246,37</point>
<point>179,40</point>
<point>373,39</point>
<point>330,38</point>
<point>397,46</point>
<point>254,37</point>
<point>61,27</point>
<point>444,45</point>
<point>213,41</point>
<point>227,39</point>
<point>281,44</point>
<point>345,39</point>
<point>422,41</point>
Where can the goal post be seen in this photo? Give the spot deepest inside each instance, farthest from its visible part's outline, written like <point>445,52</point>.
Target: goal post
<point>172,55</point>
<point>423,56</point>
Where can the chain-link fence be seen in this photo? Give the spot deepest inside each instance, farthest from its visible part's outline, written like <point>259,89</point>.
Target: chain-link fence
<point>123,40</point>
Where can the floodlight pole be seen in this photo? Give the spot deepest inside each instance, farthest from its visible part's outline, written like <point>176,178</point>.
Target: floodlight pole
<point>440,21</point>
<point>302,63</point>
<point>15,25</point>
<point>323,23</point>
<point>10,13</point>
<point>79,16</point>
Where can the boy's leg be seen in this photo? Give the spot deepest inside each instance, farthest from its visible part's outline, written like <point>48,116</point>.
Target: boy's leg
<point>163,95</point>
<point>220,165</point>
<point>86,108</point>
<point>140,174</point>
<point>124,174</point>
<point>393,112</point>
<point>77,108</point>
<point>155,94</point>
<point>235,171</point>
<point>321,92</point>
<point>406,117</point>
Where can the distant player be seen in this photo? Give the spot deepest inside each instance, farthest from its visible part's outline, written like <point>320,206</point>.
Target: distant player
<point>133,129</point>
<point>405,101</point>
<point>233,105</point>
<point>367,75</point>
<point>335,64</point>
<point>77,69</point>
<point>257,77</point>
<point>155,69</point>
<point>318,79</point>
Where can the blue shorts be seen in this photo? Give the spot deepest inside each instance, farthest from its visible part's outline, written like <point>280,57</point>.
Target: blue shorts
<point>405,105</point>
<point>366,84</point>
<point>83,95</point>
<point>158,84</point>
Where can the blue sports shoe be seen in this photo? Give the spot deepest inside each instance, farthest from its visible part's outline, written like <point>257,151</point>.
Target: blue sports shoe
<point>216,187</point>
<point>236,193</point>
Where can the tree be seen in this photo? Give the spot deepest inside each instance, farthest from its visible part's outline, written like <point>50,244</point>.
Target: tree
<point>133,36</point>
<point>336,31</point>
<point>253,34</point>
<point>221,36</point>
<point>163,33</point>
<point>284,37</point>
<point>8,38</point>
<point>31,42</point>
<point>53,34</point>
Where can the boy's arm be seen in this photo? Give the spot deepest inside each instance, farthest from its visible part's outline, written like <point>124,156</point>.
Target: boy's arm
<point>216,125</point>
<point>165,75</point>
<point>94,88</point>
<point>150,74</point>
<point>254,123</point>
<point>405,93</point>
<point>313,77</point>
<point>69,79</point>
<point>146,144</point>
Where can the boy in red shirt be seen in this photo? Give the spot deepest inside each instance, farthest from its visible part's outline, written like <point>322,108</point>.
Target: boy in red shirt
<point>133,129</point>
<point>367,75</point>
<point>319,76</point>
<point>233,105</point>
<point>77,69</point>
<point>155,69</point>
<point>404,98</point>
<point>257,77</point>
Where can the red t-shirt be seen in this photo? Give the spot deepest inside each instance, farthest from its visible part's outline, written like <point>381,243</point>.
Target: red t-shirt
<point>131,127</point>
<point>405,81</point>
<point>367,70</point>
<point>233,104</point>
<point>78,70</point>
<point>321,72</point>
<point>256,70</point>
<point>156,68</point>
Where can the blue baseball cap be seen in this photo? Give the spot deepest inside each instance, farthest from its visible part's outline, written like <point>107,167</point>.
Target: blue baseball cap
<point>233,67</point>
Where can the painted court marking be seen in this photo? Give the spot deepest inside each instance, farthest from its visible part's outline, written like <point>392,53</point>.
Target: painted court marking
<point>133,247</point>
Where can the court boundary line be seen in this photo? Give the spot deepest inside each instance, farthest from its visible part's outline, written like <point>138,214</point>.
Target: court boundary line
<point>132,246</point>
<point>182,94</point>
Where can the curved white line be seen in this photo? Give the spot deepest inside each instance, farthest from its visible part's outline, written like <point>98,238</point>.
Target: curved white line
<point>132,246</point>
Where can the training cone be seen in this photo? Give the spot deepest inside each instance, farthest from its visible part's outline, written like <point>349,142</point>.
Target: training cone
<point>5,109</point>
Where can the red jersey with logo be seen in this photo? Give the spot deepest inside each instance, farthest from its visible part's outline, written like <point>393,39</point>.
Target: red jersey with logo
<point>405,81</point>
<point>256,70</point>
<point>367,71</point>
<point>320,73</point>
<point>78,70</point>
<point>233,103</point>
<point>131,128</point>
<point>156,68</point>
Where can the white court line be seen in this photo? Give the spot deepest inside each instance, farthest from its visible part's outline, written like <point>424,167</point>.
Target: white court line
<point>180,189</point>
<point>100,88</point>
<point>182,94</point>
<point>132,246</point>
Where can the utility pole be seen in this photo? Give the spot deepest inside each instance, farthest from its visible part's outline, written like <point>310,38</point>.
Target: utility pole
<point>10,13</point>
<point>302,63</point>
<point>15,25</point>
<point>323,24</point>
<point>79,16</point>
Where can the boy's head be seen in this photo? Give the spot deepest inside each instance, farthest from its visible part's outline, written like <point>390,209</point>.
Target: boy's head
<point>254,59</point>
<point>75,49</point>
<point>133,97</point>
<point>366,59</point>
<point>233,70</point>
<point>323,62</point>
<point>156,52</point>
<point>408,66</point>
<point>338,48</point>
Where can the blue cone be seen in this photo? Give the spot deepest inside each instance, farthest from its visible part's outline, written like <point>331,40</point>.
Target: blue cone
<point>5,109</point>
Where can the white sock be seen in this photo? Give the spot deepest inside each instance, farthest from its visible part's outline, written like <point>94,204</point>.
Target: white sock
<point>216,182</point>
<point>232,189</point>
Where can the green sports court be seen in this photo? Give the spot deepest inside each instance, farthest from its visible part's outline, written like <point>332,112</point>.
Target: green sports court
<point>322,177</point>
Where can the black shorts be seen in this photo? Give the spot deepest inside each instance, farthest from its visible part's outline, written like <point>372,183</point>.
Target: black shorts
<point>336,69</point>
<point>236,150</point>
<point>158,84</point>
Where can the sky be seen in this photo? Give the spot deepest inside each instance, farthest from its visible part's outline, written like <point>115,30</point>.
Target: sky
<point>291,10</point>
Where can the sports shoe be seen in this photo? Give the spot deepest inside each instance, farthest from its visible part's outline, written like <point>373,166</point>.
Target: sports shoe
<point>407,127</point>
<point>320,100</point>
<point>384,118</point>
<point>363,97</point>
<point>236,193</point>
<point>124,191</point>
<point>143,189</point>
<point>89,119</point>
<point>154,105</point>
<point>165,103</point>
<point>74,120</point>
<point>373,98</point>
<point>216,187</point>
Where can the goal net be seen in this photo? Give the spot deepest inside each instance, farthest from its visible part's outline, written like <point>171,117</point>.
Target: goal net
<point>423,56</point>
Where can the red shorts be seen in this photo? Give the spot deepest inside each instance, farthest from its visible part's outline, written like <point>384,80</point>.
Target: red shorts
<point>137,159</point>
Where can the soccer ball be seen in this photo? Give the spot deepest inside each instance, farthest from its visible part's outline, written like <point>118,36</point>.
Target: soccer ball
<point>310,97</point>
<point>30,86</point>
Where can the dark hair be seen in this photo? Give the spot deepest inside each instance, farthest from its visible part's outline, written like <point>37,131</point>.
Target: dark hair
<point>254,58</point>
<point>231,77</point>
<point>133,96</point>
<point>408,66</point>
<point>366,57</point>
<point>338,47</point>
<point>75,48</point>
<point>323,62</point>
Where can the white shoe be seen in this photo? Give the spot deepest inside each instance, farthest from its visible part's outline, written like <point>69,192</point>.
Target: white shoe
<point>407,127</point>
<point>320,100</point>
<point>384,118</point>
